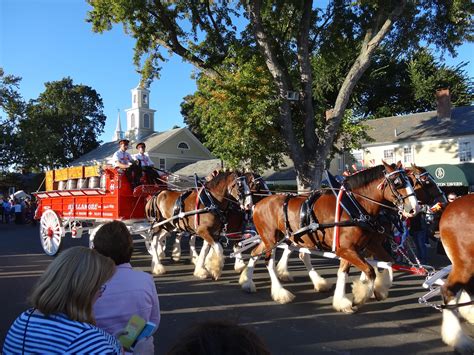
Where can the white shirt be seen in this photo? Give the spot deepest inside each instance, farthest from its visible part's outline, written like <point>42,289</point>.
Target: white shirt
<point>144,159</point>
<point>122,157</point>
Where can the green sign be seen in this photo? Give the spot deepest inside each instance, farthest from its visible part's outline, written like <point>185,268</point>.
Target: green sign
<point>452,175</point>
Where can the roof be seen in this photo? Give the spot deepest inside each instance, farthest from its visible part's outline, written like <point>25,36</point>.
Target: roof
<point>421,126</point>
<point>202,168</point>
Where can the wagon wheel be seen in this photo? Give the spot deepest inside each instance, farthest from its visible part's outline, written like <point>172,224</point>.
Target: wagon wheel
<point>51,232</point>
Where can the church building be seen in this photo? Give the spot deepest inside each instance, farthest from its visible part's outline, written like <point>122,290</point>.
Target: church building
<point>169,150</point>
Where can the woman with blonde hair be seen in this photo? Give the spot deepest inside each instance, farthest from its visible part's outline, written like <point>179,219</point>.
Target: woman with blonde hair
<point>61,320</point>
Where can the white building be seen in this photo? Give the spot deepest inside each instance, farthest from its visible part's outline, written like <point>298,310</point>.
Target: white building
<point>441,141</point>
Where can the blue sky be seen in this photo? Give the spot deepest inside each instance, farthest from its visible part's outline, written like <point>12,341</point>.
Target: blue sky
<point>46,40</point>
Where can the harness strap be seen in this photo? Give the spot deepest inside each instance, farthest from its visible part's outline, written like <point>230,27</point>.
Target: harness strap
<point>285,213</point>
<point>198,199</point>
<point>457,305</point>
<point>337,217</point>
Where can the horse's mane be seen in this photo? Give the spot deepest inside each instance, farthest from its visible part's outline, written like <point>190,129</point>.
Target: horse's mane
<point>364,177</point>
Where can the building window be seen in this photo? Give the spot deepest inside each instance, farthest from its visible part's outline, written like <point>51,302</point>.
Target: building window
<point>132,121</point>
<point>388,156</point>
<point>162,164</point>
<point>146,120</point>
<point>407,155</point>
<point>144,99</point>
<point>465,153</point>
<point>183,145</point>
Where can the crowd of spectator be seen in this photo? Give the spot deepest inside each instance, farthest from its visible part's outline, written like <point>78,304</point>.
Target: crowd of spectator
<point>84,301</point>
<point>18,211</point>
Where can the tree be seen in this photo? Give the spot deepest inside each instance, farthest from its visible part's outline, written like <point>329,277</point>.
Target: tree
<point>404,85</point>
<point>12,109</point>
<point>289,35</point>
<point>61,125</point>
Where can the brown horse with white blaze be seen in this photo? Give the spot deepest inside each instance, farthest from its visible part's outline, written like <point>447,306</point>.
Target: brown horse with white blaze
<point>370,188</point>
<point>200,212</point>
<point>456,228</point>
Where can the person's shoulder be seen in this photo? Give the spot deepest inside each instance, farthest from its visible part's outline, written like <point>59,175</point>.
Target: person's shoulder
<point>94,340</point>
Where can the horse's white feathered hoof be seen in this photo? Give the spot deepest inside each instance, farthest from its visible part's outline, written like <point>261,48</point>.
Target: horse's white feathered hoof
<point>382,285</point>
<point>243,276</point>
<point>281,295</point>
<point>284,276</point>
<point>215,265</point>
<point>239,265</point>
<point>283,273</point>
<point>452,334</point>
<point>249,286</point>
<point>361,292</point>
<point>158,269</point>
<point>343,305</point>
<point>467,312</point>
<point>201,273</point>
<point>176,252</point>
<point>320,284</point>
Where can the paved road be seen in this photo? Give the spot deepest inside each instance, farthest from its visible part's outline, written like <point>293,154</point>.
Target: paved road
<point>307,326</point>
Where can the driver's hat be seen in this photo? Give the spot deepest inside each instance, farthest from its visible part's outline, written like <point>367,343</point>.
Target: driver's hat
<point>124,141</point>
<point>141,144</point>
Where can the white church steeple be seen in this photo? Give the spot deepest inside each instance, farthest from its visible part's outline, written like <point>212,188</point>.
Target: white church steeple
<point>140,118</point>
<point>118,129</point>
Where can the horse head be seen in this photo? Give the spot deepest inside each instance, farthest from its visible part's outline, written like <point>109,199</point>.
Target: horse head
<point>396,188</point>
<point>426,189</point>
<point>231,184</point>
<point>257,185</point>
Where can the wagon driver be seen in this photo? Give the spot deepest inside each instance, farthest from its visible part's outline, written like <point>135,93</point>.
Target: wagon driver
<point>123,160</point>
<point>146,163</point>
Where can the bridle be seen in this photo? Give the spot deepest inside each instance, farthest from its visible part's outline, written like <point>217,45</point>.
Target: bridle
<point>397,180</point>
<point>243,190</point>
<point>425,178</point>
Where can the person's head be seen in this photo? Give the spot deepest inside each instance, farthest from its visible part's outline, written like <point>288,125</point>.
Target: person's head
<point>217,337</point>
<point>72,283</point>
<point>452,196</point>
<point>115,241</point>
<point>123,143</point>
<point>141,147</point>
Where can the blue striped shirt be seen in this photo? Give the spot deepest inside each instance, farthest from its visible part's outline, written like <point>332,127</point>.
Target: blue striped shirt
<point>57,334</point>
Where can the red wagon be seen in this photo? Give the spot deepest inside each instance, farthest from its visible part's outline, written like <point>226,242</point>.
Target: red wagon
<point>89,205</point>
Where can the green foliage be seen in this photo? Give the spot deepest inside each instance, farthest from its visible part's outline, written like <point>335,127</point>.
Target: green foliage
<point>12,108</point>
<point>402,85</point>
<point>234,114</point>
<point>61,125</point>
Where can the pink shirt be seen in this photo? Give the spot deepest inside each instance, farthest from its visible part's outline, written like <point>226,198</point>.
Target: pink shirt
<point>128,292</point>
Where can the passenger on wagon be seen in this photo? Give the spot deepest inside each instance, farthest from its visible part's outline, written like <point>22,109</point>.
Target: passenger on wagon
<point>143,157</point>
<point>147,164</point>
